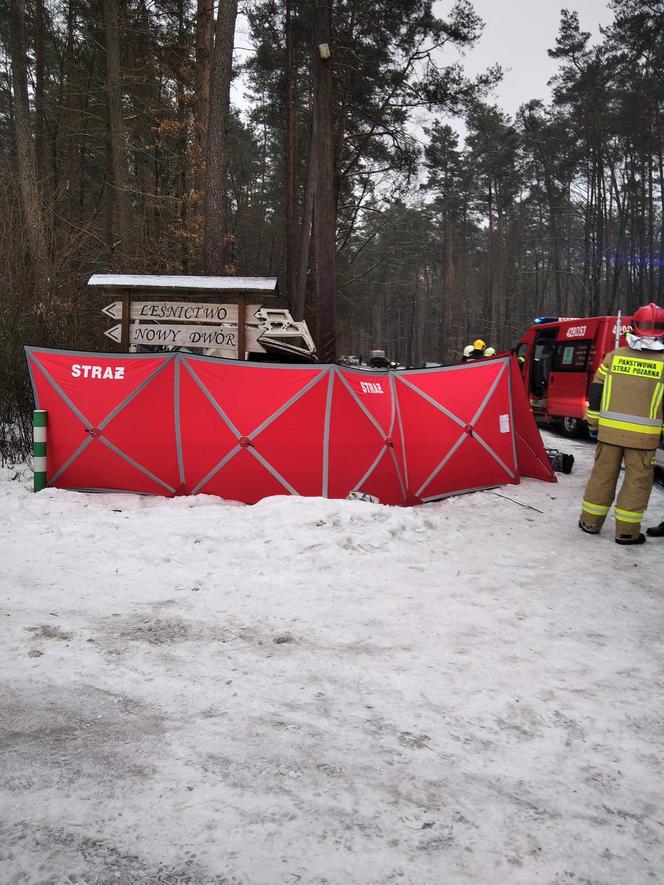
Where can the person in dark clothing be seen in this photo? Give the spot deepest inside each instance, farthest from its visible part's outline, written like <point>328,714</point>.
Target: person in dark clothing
<point>656,531</point>
<point>378,360</point>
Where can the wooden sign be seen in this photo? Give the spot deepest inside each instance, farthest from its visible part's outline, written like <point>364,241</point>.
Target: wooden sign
<point>182,311</point>
<point>217,337</point>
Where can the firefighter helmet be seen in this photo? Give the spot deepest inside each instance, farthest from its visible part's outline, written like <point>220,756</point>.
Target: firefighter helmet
<point>468,351</point>
<point>478,344</point>
<point>648,321</point>
<point>490,351</point>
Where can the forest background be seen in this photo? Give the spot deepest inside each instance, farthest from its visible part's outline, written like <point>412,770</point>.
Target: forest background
<point>120,150</point>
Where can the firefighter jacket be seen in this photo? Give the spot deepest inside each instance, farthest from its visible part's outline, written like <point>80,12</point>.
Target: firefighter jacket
<point>625,398</point>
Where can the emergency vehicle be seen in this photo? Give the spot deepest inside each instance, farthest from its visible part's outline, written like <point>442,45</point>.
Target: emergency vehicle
<point>559,357</point>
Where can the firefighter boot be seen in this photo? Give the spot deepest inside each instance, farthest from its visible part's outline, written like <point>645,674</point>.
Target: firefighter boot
<point>588,529</point>
<point>656,531</point>
<point>630,539</point>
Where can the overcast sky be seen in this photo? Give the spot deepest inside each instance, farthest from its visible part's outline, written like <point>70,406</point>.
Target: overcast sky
<point>517,34</point>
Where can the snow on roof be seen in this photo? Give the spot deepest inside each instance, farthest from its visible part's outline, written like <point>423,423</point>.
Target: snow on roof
<point>264,285</point>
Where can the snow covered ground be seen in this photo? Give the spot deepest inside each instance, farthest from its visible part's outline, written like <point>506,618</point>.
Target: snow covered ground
<point>312,691</point>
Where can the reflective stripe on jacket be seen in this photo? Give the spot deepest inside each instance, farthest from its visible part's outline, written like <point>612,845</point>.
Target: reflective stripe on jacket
<point>625,399</point>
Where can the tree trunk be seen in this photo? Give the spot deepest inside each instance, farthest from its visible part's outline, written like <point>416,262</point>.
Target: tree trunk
<point>493,306</point>
<point>183,131</point>
<point>324,206</point>
<point>71,122</point>
<point>146,95</point>
<point>448,294</point>
<point>26,161</point>
<point>202,78</point>
<point>40,119</point>
<point>119,157</point>
<point>345,104</point>
<point>298,302</point>
<point>553,202</point>
<point>418,322</point>
<point>215,221</point>
<point>290,152</point>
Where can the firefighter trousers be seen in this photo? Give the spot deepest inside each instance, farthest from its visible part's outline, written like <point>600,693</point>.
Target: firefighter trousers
<point>633,496</point>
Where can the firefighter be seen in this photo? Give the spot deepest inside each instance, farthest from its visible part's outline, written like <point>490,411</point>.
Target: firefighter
<point>474,351</point>
<point>624,413</point>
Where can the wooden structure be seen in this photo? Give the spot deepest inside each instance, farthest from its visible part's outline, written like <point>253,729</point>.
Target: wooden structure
<point>237,291</point>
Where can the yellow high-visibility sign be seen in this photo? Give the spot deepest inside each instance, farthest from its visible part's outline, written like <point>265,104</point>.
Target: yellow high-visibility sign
<point>629,365</point>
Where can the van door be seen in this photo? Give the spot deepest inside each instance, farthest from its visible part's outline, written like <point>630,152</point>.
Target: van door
<point>542,359</point>
<point>568,380</point>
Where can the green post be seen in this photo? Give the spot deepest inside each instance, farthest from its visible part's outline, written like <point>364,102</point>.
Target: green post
<point>39,422</point>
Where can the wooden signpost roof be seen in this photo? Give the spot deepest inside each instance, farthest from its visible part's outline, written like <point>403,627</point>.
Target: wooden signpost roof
<point>160,282</point>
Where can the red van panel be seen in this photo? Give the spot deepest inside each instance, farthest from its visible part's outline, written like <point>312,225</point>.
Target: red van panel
<point>580,347</point>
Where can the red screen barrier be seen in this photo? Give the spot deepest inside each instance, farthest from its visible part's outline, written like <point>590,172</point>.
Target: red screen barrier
<point>178,424</point>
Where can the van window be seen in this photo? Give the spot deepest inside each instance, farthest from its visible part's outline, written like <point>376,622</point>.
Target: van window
<point>571,357</point>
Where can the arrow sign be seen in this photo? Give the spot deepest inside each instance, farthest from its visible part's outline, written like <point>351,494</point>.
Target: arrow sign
<point>181,311</point>
<point>115,334</point>
<point>216,337</point>
<point>114,311</point>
